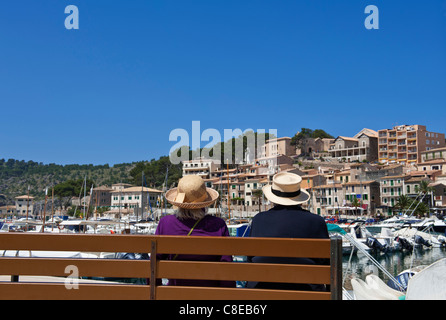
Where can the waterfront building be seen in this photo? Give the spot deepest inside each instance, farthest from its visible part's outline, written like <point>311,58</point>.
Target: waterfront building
<point>23,204</point>
<point>101,196</point>
<point>134,197</point>
<point>8,211</point>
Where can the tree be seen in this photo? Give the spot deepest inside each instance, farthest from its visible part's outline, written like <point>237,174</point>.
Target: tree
<point>70,188</point>
<point>258,194</point>
<point>356,203</point>
<point>403,202</point>
<point>301,137</point>
<point>427,191</point>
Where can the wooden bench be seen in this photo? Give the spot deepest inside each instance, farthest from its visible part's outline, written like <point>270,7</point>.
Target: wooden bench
<point>17,267</point>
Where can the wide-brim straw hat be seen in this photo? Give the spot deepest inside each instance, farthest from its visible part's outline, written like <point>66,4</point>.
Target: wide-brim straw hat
<point>286,190</point>
<point>191,193</point>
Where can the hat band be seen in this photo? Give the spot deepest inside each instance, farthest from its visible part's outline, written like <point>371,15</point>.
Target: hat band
<point>285,194</point>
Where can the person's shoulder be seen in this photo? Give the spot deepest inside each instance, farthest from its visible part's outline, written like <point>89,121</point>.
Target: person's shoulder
<point>168,219</point>
<point>214,219</point>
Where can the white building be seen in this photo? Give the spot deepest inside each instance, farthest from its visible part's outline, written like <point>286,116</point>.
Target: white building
<point>133,197</point>
<point>24,203</point>
<point>201,166</point>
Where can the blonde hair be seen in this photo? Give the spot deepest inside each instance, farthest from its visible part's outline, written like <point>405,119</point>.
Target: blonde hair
<point>194,214</point>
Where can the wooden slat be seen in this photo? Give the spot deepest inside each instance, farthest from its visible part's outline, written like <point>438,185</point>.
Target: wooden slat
<point>244,271</point>
<point>56,291</point>
<point>272,247</point>
<point>87,267</point>
<point>74,242</point>
<point>308,248</point>
<point>203,293</point>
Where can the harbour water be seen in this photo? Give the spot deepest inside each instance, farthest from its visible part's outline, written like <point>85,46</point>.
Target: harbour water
<point>359,266</point>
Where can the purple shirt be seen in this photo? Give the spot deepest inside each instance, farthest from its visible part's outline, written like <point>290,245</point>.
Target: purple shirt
<point>208,226</point>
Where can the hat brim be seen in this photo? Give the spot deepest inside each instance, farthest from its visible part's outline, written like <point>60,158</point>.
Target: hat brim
<point>303,197</point>
<point>212,196</point>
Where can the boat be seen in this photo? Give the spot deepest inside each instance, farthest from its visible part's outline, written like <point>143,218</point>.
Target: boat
<point>396,223</point>
<point>420,283</point>
<point>428,284</point>
<point>374,289</point>
<point>421,239</point>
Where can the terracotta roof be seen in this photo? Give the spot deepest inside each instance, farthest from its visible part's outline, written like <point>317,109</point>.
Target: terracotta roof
<point>136,189</point>
<point>24,197</point>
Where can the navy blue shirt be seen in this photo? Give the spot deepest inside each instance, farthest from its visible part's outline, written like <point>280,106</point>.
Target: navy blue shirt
<point>288,222</point>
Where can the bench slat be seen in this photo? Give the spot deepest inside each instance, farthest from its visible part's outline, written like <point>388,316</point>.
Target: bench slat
<point>87,267</point>
<point>271,247</point>
<point>203,293</point>
<point>244,271</point>
<point>307,248</point>
<point>56,291</point>
<point>74,242</point>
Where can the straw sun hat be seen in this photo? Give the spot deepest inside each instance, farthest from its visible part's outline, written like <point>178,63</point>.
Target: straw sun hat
<point>286,190</point>
<point>191,193</point>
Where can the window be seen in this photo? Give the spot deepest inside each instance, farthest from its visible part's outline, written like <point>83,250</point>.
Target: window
<point>408,189</point>
<point>365,197</point>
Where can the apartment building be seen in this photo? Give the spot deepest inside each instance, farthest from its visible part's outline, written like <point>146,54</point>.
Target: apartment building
<point>338,198</point>
<point>8,211</point>
<point>101,196</point>
<point>277,147</point>
<point>23,204</point>
<point>134,197</point>
<point>404,144</point>
<point>201,166</point>
<point>362,147</point>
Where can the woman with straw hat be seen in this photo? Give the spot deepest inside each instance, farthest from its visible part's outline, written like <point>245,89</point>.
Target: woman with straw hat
<point>287,219</point>
<point>192,198</point>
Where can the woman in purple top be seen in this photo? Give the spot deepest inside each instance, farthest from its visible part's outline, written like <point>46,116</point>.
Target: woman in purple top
<point>192,198</point>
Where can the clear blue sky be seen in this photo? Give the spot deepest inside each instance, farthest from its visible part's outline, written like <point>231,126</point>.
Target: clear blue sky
<point>112,91</point>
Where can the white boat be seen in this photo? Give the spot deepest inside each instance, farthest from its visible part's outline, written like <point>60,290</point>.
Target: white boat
<point>394,223</point>
<point>421,239</point>
<point>90,226</point>
<point>374,289</point>
<point>422,283</point>
<point>429,283</point>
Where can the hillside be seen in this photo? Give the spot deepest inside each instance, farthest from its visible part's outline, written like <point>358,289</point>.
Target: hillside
<point>16,175</point>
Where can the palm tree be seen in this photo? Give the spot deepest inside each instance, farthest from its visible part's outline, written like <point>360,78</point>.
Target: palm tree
<point>403,202</point>
<point>426,190</point>
<point>356,203</point>
<point>258,194</point>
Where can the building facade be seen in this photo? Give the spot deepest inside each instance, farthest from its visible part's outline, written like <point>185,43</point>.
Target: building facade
<point>134,197</point>
<point>201,166</point>
<point>24,204</point>
<point>360,148</point>
<point>404,144</point>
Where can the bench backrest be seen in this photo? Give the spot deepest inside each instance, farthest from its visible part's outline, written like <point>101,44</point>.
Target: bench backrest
<point>156,269</point>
